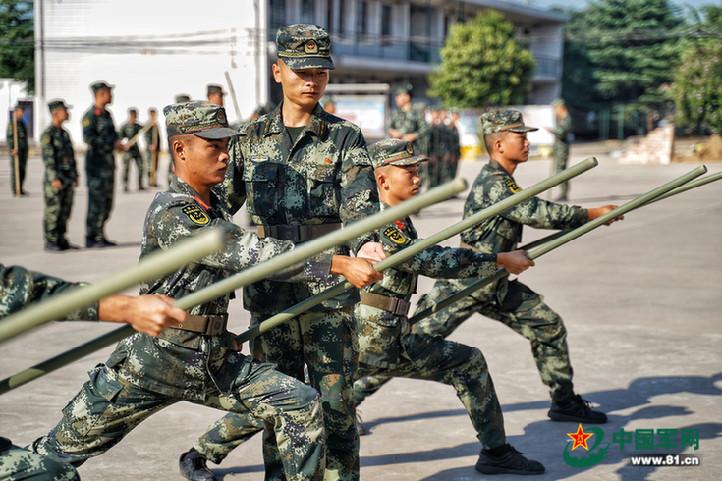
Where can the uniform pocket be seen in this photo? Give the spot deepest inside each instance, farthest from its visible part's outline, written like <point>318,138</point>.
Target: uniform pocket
<point>379,336</point>
<point>261,179</point>
<point>323,193</point>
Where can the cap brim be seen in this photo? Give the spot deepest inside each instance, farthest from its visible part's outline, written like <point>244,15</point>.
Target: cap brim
<point>416,159</point>
<point>305,63</point>
<point>218,133</point>
<point>524,129</point>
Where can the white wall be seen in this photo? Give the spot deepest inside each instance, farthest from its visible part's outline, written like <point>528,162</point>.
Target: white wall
<point>179,46</point>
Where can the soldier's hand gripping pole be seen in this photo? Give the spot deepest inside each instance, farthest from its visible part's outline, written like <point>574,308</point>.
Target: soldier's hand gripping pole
<point>559,239</point>
<point>410,251</point>
<point>152,267</point>
<point>248,276</point>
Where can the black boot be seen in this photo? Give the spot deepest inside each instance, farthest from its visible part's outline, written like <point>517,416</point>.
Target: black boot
<point>193,467</point>
<point>575,409</point>
<point>506,460</point>
<point>54,247</point>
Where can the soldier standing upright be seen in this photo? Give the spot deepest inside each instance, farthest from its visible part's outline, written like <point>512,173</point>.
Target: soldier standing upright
<point>562,138</point>
<point>304,172</point>
<point>61,177</point>
<point>455,145</point>
<point>102,140</point>
<point>408,123</point>
<point>17,142</point>
<point>152,147</point>
<point>130,131</point>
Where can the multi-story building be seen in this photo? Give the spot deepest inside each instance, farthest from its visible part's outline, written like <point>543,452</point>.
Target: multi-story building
<point>153,50</point>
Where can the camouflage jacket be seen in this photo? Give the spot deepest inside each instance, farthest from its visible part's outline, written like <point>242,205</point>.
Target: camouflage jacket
<point>152,136</point>
<point>562,129</point>
<point>503,233</point>
<point>128,131</point>
<point>412,122</point>
<point>378,330</point>
<point>22,136</point>
<point>100,136</point>
<point>325,177</point>
<point>20,287</point>
<point>58,155</point>
<point>177,362</point>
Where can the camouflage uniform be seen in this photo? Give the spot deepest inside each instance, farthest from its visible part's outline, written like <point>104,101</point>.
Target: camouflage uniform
<point>18,288</point>
<point>22,151</point>
<point>152,138</point>
<point>390,346</point>
<point>562,132</point>
<point>322,179</point>
<point>512,303</point>
<point>195,362</point>
<point>100,136</point>
<point>412,121</point>
<point>128,131</point>
<point>454,154</point>
<point>59,160</point>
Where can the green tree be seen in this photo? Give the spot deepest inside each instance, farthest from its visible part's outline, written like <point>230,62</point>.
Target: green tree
<point>622,52</point>
<point>16,41</point>
<point>482,64</point>
<point>697,87</point>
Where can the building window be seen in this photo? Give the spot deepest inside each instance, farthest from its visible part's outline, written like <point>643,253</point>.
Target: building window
<point>278,13</point>
<point>329,16</point>
<point>420,29</point>
<point>308,11</point>
<point>341,27</point>
<point>387,16</point>
<point>362,13</point>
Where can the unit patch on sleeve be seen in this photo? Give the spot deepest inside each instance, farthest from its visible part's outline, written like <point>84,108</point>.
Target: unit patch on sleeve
<point>395,235</point>
<point>196,215</point>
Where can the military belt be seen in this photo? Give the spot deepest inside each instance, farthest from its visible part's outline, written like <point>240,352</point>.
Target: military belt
<point>213,325</point>
<point>394,305</point>
<point>296,232</point>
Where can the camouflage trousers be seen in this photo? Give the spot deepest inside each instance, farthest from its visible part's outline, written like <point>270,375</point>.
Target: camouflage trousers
<point>151,161</point>
<point>58,204</point>
<point>436,359</point>
<point>522,310</point>
<point>100,204</point>
<point>135,157</point>
<point>323,343</point>
<point>108,408</point>
<point>22,168</point>
<point>18,464</point>
<point>561,160</point>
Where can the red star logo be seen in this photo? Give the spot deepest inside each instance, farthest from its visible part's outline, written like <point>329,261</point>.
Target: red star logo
<point>400,224</point>
<point>580,438</point>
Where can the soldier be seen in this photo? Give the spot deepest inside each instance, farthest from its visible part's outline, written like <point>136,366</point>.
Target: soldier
<point>20,287</point>
<point>198,360</point>
<point>152,146</point>
<point>408,123</point>
<point>130,130</point>
<point>562,138</point>
<point>179,99</point>
<point>215,94</point>
<point>390,346</point>
<point>60,179</point>
<point>511,302</point>
<point>17,142</point>
<point>260,111</point>
<point>101,138</point>
<point>304,172</point>
<point>455,145</point>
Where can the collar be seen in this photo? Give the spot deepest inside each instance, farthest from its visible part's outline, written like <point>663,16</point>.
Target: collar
<point>494,166</point>
<point>179,186</point>
<point>274,122</point>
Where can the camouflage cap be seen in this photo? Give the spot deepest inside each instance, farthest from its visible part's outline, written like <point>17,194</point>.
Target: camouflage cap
<point>304,46</point>
<point>394,152</point>
<point>100,85</point>
<point>180,98</point>
<point>214,89</point>
<point>58,104</point>
<point>503,121</point>
<point>556,102</point>
<point>203,119</point>
<point>405,88</point>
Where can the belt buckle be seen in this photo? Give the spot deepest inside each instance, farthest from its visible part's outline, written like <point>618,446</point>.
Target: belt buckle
<point>213,326</point>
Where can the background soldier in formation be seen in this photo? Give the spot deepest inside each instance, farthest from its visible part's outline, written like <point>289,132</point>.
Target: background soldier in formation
<point>102,140</point>
<point>18,288</point>
<point>17,142</point>
<point>388,344</point>
<point>60,179</point>
<point>562,138</point>
<point>152,147</point>
<point>130,132</point>
<point>408,123</point>
<point>512,302</point>
<point>304,172</point>
<point>455,153</point>
<point>215,94</point>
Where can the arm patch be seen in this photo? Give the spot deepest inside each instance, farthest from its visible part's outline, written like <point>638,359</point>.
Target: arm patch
<point>196,215</point>
<point>396,236</point>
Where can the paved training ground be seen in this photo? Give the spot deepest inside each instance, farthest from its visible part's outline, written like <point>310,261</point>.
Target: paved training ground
<point>641,299</point>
